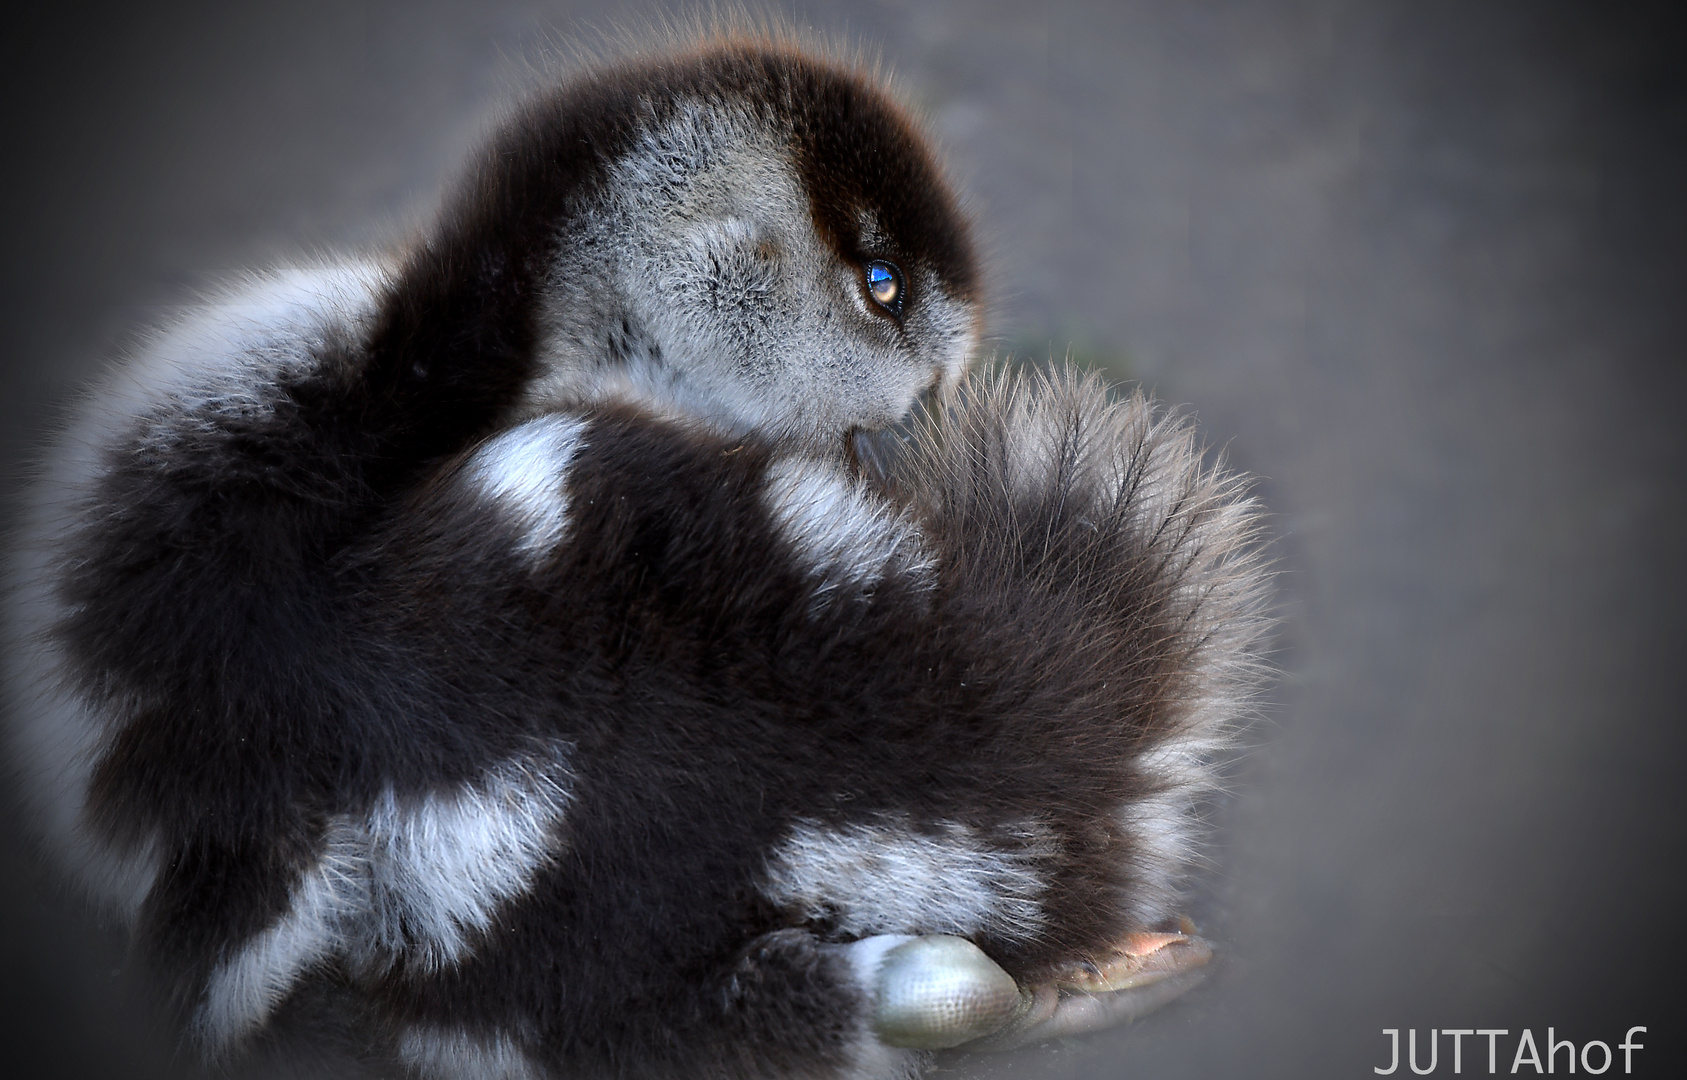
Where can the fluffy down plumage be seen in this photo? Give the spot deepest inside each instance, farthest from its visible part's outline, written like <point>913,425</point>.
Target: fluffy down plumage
<point>401,676</point>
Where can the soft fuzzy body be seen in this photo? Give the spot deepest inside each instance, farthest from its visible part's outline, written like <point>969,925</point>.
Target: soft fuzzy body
<point>426,639</point>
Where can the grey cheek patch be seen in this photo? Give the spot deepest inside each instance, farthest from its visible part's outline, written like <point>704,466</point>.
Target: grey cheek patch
<point>729,310</point>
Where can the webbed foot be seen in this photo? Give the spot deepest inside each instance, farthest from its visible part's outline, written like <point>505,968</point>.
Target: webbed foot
<point>1142,974</point>
<point>935,992</point>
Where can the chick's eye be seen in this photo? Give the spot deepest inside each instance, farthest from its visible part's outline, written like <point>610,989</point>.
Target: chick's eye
<point>884,281</point>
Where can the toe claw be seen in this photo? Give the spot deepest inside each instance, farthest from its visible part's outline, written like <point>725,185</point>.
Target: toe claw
<point>1140,959</point>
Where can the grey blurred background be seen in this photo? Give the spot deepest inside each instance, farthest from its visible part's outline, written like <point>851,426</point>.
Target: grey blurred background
<point>1416,265</point>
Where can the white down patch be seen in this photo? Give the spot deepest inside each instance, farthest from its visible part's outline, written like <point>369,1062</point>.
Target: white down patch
<point>229,357</point>
<point>222,358</point>
<point>443,1054</point>
<point>524,471</point>
<point>1165,826</point>
<point>440,868</point>
<point>319,923</point>
<point>843,534</point>
<point>884,877</point>
<point>416,879</point>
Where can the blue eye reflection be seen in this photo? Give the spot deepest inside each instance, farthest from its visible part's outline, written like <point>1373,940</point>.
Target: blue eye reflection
<point>884,282</point>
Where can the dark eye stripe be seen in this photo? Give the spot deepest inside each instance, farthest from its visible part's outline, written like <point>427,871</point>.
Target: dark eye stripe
<point>884,284</point>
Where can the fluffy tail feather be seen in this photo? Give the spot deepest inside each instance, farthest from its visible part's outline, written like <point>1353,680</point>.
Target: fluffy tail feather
<point>1111,508</point>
